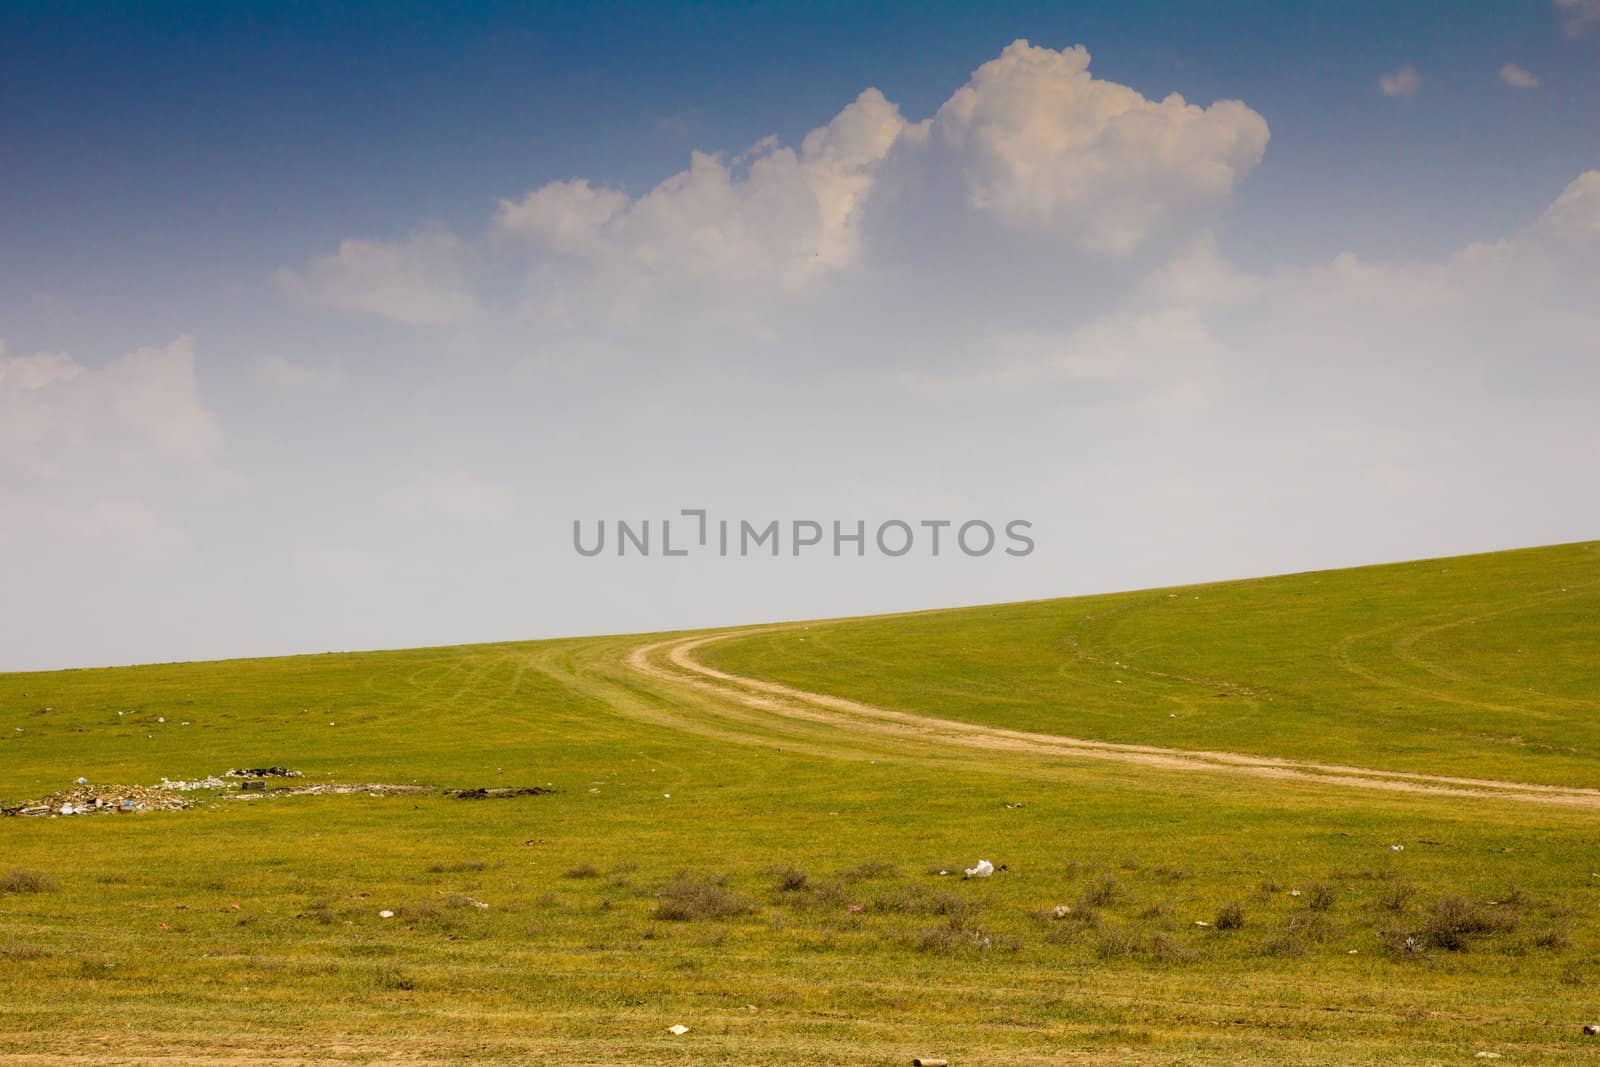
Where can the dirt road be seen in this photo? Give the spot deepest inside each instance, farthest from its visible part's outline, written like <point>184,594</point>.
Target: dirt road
<point>673,661</point>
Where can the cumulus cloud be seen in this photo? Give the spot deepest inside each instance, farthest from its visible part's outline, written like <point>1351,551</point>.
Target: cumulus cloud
<point>1402,83</point>
<point>1575,215</point>
<point>93,458</point>
<point>1033,143</point>
<point>421,281</point>
<point>771,214</point>
<point>57,416</point>
<point>1578,17</point>
<point>1517,77</point>
<point>1030,169</point>
<point>1040,143</point>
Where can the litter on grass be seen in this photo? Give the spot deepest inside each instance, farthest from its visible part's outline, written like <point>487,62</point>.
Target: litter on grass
<point>182,786</point>
<point>100,800</point>
<point>983,870</point>
<point>678,1028</point>
<point>169,794</point>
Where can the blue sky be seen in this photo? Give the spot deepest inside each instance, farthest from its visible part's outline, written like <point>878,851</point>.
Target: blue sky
<point>189,171</point>
<point>192,136</point>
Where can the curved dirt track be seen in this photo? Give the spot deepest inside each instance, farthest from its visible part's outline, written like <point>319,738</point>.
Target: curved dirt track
<point>673,661</point>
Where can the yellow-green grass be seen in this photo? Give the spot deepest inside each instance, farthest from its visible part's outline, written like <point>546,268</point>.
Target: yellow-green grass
<point>1485,666</point>
<point>137,951</point>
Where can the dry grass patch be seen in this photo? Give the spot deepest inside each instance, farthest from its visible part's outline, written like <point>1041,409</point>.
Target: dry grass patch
<point>693,897</point>
<point>23,880</point>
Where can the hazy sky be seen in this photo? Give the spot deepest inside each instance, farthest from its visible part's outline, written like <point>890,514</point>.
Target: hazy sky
<point>319,329</point>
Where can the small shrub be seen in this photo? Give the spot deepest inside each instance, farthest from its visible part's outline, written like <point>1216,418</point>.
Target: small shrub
<point>1062,933</point>
<point>388,977</point>
<point>456,868</point>
<point>1554,939</point>
<point>20,950</point>
<point>1229,917</point>
<point>917,900</point>
<point>1317,929</point>
<point>22,880</point>
<point>863,872</point>
<point>1288,945</point>
<point>582,870</point>
<point>1396,897</point>
<point>1159,911</point>
<point>1168,949</point>
<point>791,879</point>
<point>690,897</point>
<point>1101,892</point>
<point>823,896</point>
<point>1114,941</point>
<point>1320,897</point>
<point>949,937</point>
<point>1403,943</point>
<point>1455,921</point>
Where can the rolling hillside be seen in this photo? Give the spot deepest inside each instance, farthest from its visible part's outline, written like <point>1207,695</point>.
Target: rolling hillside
<point>1336,817</point>
<point>1476,665</point>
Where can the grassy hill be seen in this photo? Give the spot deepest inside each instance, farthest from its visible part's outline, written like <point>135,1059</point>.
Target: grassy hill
<point>1477,665</point>
<point>771,880</point>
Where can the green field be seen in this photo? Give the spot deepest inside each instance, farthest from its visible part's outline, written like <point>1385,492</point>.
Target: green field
<point>724,851</point>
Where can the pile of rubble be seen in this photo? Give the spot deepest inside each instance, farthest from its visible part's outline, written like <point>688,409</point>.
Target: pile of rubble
<point>191,786</point>
<point>170,795</point>
<point>101,800</point>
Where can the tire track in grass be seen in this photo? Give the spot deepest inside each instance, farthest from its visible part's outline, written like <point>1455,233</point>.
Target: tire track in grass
<point>672,661</point>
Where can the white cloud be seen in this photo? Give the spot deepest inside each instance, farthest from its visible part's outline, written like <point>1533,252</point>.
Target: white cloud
<point>1575,215</point>
<point>1578,17</point>
<point>1039,142</point>
<point>93,458</point>
<point>1402,83</point>
<point>1032,142</point>
<point>421,281</point>
<point>1517,77</point>
<point>286,373</point>
<point>57,416</point>
<point>772,215</point>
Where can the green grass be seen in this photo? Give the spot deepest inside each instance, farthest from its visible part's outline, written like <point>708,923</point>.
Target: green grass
<point>784,901</point>
<point>1484,666</point>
